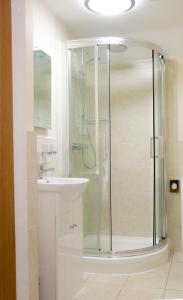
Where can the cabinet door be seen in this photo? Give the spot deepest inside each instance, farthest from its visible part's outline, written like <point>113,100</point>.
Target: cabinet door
<point>46,245</point>
<point>64,248</point>
<point>69,232</point>
<point>77,246</point>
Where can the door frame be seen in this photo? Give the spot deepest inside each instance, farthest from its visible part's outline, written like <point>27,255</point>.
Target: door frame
<point>7,211</point>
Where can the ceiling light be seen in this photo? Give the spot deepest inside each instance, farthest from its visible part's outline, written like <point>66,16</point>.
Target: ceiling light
<point>109,7</point>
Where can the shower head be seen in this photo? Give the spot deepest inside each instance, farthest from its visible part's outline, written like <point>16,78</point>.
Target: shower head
<point>118,48</point>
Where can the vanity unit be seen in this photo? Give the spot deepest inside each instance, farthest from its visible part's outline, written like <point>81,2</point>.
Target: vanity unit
<point>60,229</point>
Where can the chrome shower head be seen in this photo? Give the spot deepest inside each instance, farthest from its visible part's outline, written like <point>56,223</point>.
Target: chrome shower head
<point>118,48</point>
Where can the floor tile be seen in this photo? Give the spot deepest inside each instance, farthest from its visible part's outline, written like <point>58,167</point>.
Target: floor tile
<point>176,268</point>
<point>173,294</point>
<point>162,269</point>
<point>148,280</point>
<point>86,276</point>
<point>118,280</point>
<point>175,282</point>
<point>92,291</point>
<point>178,257</point>
<point>132,293</point>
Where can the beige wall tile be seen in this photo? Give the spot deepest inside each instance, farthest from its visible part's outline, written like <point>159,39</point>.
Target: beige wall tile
<point>32,202</point>
<point>32,155</point>
<point>32,217</point>
<point>174,153</point>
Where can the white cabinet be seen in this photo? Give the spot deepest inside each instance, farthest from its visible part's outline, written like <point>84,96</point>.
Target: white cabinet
<point>47,245</point>
<point>69,248</point>
<point>60,228</point>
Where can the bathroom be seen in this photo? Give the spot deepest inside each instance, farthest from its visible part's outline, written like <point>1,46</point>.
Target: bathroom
<point>98,165</point>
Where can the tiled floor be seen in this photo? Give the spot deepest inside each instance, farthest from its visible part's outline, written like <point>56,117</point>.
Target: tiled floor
<point>164,282</point>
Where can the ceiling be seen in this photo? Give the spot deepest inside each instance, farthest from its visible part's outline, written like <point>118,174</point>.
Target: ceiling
<point>159,21</point>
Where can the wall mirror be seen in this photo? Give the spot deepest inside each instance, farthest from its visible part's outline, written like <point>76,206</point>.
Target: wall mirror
<point>42,89</point>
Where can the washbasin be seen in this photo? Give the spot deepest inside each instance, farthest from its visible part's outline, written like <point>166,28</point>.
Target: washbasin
<point>68,188</point>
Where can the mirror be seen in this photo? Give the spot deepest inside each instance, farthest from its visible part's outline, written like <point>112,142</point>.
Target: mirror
<point>42,89</point>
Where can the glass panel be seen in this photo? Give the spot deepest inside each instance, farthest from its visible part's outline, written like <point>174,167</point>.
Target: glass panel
<point>116,95</point>
<point>89,140</point>
<point>160,209</point>
<point>132,167</point>
<point>82,136</point>
<point>104,148</point>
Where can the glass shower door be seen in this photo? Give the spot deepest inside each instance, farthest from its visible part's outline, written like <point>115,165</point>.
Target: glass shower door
<point>89,141</point>
<point>132,162</point>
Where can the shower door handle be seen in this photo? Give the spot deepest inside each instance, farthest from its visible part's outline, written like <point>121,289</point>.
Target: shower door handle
<point>105,147</point>
<point>151,147</point>
<point>156,147</point>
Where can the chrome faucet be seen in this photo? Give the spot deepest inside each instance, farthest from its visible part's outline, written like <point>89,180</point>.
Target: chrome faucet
<point>43,171</point>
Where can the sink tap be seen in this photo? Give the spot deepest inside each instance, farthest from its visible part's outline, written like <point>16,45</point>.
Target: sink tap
<point>43,171</point>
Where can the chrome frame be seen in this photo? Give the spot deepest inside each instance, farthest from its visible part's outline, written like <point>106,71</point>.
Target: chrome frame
<point>110,185</point>
<point>81,43</point>
<point>96,12</point>
<point>164,148</point>
<point>71,44</point>
<point>97,133</point>
<point>68,107</point>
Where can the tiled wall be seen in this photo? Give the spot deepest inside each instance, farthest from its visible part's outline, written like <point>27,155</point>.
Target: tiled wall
<point>174,150</point>
<point>32,217</point>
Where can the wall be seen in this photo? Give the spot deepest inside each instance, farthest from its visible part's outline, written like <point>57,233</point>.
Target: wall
<point>174,146</point>
<point>50,36</point>
<point>23,112</point>
<point>24,153</point>
<point>25,150</point>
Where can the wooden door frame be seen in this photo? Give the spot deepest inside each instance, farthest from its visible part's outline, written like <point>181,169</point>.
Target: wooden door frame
<point>7,214</point>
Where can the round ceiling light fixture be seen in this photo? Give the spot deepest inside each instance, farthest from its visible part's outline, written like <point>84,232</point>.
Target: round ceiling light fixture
<point>109,7</point>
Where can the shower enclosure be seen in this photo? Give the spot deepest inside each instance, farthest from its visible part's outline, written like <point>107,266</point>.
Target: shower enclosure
<point>116,138</point>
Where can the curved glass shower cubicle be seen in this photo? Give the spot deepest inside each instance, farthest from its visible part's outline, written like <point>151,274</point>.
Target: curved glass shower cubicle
<point>116,116</point>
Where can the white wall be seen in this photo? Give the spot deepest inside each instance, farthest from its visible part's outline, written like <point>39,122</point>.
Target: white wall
<point>50,36</point>
<point>22,29</point>
<point>22,104</point>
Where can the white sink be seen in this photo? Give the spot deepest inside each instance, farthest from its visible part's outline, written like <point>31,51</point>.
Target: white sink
<point>68,188</point>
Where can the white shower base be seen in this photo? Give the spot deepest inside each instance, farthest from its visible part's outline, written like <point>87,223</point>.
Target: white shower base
<point>128,264</point>
<point>119,243</point>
